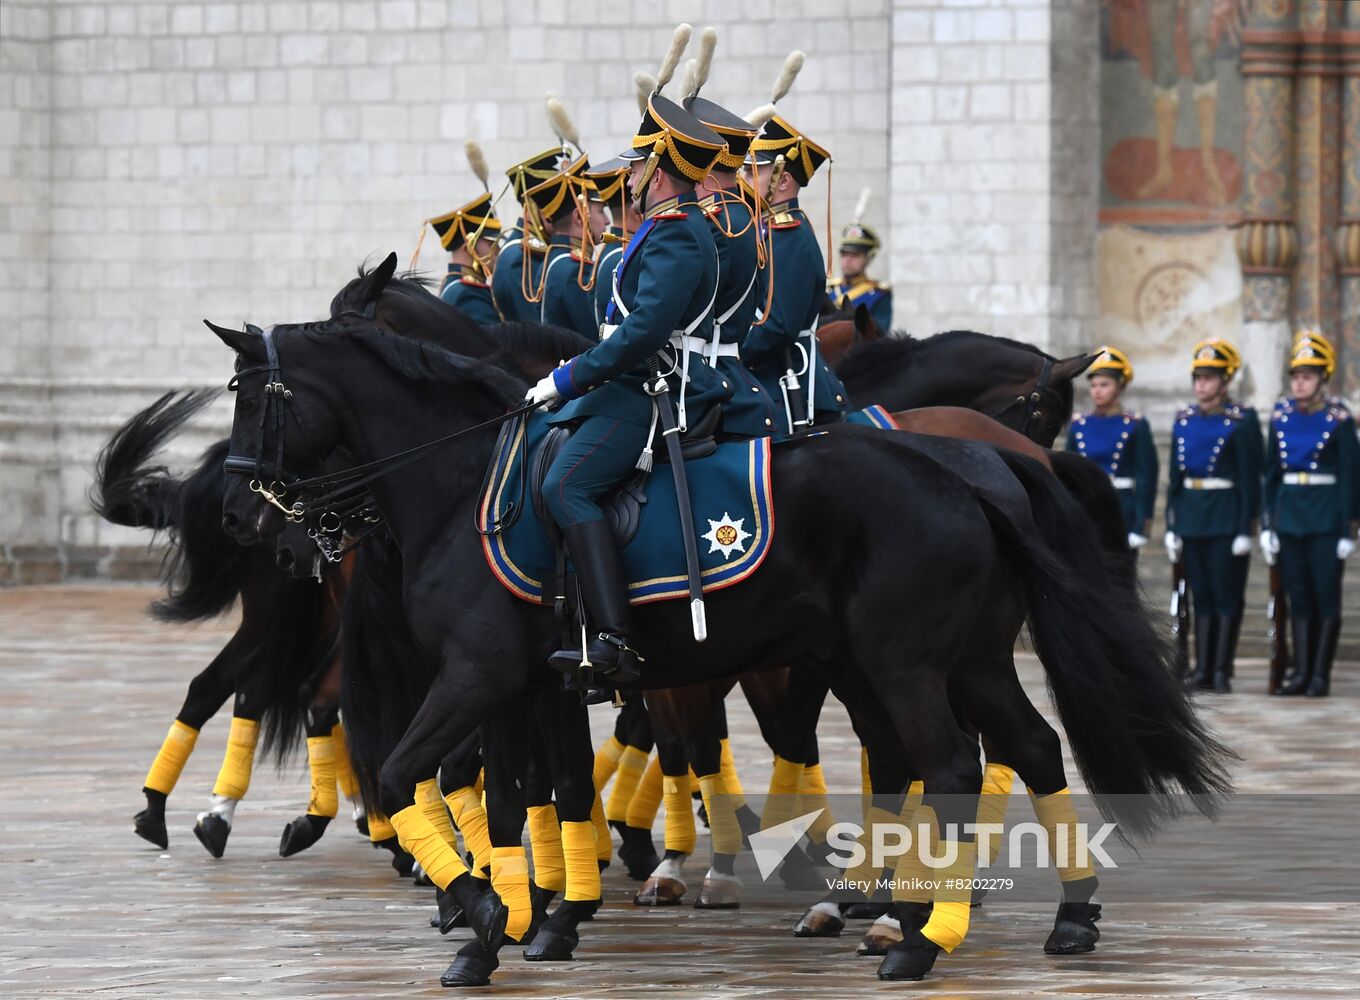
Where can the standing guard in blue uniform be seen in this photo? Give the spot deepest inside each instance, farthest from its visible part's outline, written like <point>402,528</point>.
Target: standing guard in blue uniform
<point>781,348</point>
<point>1119,442</point>
<point>469,235</point>
<point>563,203</point>
<point>750,412</point>
<point>1307,514</point>
<point>662,312</point>
<point>1213,499</point>
<point>510,285</point>
<point>859,246</point>
<point>609,182</point>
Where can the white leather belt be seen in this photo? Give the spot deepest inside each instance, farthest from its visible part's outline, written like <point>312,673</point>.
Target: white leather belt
<point>682,341</point>
<point>1211,483</point>
<point>723,350</point>
<point>1309,479</point>
<point>1123,482</point>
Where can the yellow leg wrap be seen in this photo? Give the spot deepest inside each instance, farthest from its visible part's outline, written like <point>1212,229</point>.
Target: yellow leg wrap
<point>604,846</point>
<point>913,881</point>
<point>545,839</point>
<point>1055,811</point>
<point>510,879</point>
<point>731,780</point>
<point>722,815</point>
<point>578,850</point>
<point>647,799</point>
<point>379,829</point>
<point>607,761</point>
<point>996,796</point>
<point>866,870</point>
<point>812,795</point>
<point>781,804</point>
<point>170,758</point>
<point>432,805</point>
<point>632,763</point>
<point>479,786</point>
<point>418,836</point>
<point>948,923</point>
<point>470,816</point>
<point>680,832</point>
<point>321,764</point>
<point>234,779</point>
<point>866,785</point>
<point>344,769</point>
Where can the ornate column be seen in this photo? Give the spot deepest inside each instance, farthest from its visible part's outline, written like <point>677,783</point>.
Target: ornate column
<point>1267,241</point>
<point>1348,225</point>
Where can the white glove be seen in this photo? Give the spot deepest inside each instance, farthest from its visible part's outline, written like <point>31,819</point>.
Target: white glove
<point>1344,548</point>
<point>1173,546</point>
<point>1241,545</point>
<point>544,392</point>
<point>1137,541</point>
<point>1270,546</point>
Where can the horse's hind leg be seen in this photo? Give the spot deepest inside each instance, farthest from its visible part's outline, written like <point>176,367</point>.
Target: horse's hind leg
<point>636,850</point>
<point>324,801</point>
<point>566,734</point>
<point>233,778</point>
<point>666,885</point>
<point>207,692</point>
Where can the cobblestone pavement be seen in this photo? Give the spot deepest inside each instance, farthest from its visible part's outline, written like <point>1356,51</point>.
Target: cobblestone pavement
<point>88,686</point>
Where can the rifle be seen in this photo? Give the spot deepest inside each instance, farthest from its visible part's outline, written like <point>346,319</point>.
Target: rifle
<point>1277,611</point>
<point>1180,616</point>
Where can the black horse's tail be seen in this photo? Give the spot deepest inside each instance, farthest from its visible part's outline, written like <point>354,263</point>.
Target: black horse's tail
<point>1133,730</point>
<point>386,674</point>
<point>128,489</point>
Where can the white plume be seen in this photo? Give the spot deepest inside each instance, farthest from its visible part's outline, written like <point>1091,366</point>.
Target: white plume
<point>793,65</point>
<point>679,41</point>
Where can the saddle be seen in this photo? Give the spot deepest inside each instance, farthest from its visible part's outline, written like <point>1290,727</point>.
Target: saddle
<point>623,508</point>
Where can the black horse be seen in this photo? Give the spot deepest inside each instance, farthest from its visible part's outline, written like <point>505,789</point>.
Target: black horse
<point>840,570</point>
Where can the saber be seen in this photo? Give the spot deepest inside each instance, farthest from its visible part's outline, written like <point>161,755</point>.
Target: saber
<point>660,391</point>
<point>1180,616</point>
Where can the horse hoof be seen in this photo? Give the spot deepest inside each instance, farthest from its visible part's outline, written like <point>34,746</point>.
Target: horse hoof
<point>865,911</point>
<point>798,872</point>
<point>361,823</point>
<point>719,892</point>
<point>1074,931</point>
<point>434,920</point>
<point>824,920</point>
<point>884,934</point>
<point>450,914</point>
<point>552,945</point>
<point>402,863</point>
<point>660,891</point>
<point>301,834</point>
<point>419,877</point>
<point>212,832</point>
<point>636,851</point>
<point>909,960</point>
<point>488,918</point>
<point>978,896</point>
<point>472,967</point>
<point>150,825</point>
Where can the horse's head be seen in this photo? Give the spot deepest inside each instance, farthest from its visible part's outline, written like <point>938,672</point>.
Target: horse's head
<point>296,552</point>
<point>1039,403</point>
<point>283,427</point>
<point>360,295</point>
<point>838,331</point>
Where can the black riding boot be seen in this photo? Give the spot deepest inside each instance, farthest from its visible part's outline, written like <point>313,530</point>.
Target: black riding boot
<point>1225,650</point>
<point>1305,646</point>
<point>599,571</point>
<point>1329,632</point>
<point>1206,626</point>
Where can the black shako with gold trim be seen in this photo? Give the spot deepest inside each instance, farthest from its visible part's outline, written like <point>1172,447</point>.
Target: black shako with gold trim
<point>679,143</point>
<point>476,218</point>
<point>801,155</point>
<point>736,131</point>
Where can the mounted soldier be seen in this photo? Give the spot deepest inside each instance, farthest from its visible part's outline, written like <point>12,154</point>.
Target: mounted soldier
<point>859,246</point>
<point>1120,442</point>
<point>512,284</point>
<point>781,347</point>
<point>1306,517</point>
<point>609,189</point>
<point>470,234</point>
<point>659,321</point>
<point>1212,501</point>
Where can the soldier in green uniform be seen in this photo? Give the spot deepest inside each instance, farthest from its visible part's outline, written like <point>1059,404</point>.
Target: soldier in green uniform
<point>1309,490</point>
<point>563,203</point>
<point>663,310</point>
<point>781,347</point>
<point>610,190</point>
<point>859,246</point>
<point>1120,442</point>
<point>750,412</point>
<point>511,287</point>
<point>1213,499</point>
<point>469,235</point>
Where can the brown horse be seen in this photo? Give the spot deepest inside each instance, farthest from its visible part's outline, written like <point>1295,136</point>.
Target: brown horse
<point>838,332</point>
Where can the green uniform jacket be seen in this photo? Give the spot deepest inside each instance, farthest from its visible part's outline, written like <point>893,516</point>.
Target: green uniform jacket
<point>667,282</point>
<point>799,288</point>
<point>1319,443</point>
<point>506,286</point>
<point>565,302</point>
<point>1225,444</point>
<point>605,262</point>
<point>469,296</point>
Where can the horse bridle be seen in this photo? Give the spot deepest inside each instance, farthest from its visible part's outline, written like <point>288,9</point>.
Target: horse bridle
<point>1030,401</point>
<point>276,396</point>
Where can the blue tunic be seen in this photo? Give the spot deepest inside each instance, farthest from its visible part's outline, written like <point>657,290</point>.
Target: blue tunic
<point>605,261</point>
<point>1121,444</point>
<point>1224,445</point>
<point>469,295</point>
<point>507,286</point>
<point>565,302</point>
<point>1303,445</point>
<point>876,297</point>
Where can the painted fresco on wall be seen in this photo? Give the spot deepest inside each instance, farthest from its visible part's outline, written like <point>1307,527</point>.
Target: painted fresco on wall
<point>1171,111</point>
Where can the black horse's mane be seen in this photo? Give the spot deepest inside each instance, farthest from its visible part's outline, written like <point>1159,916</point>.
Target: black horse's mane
<point>870,355</point>
<point>520,339</point>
